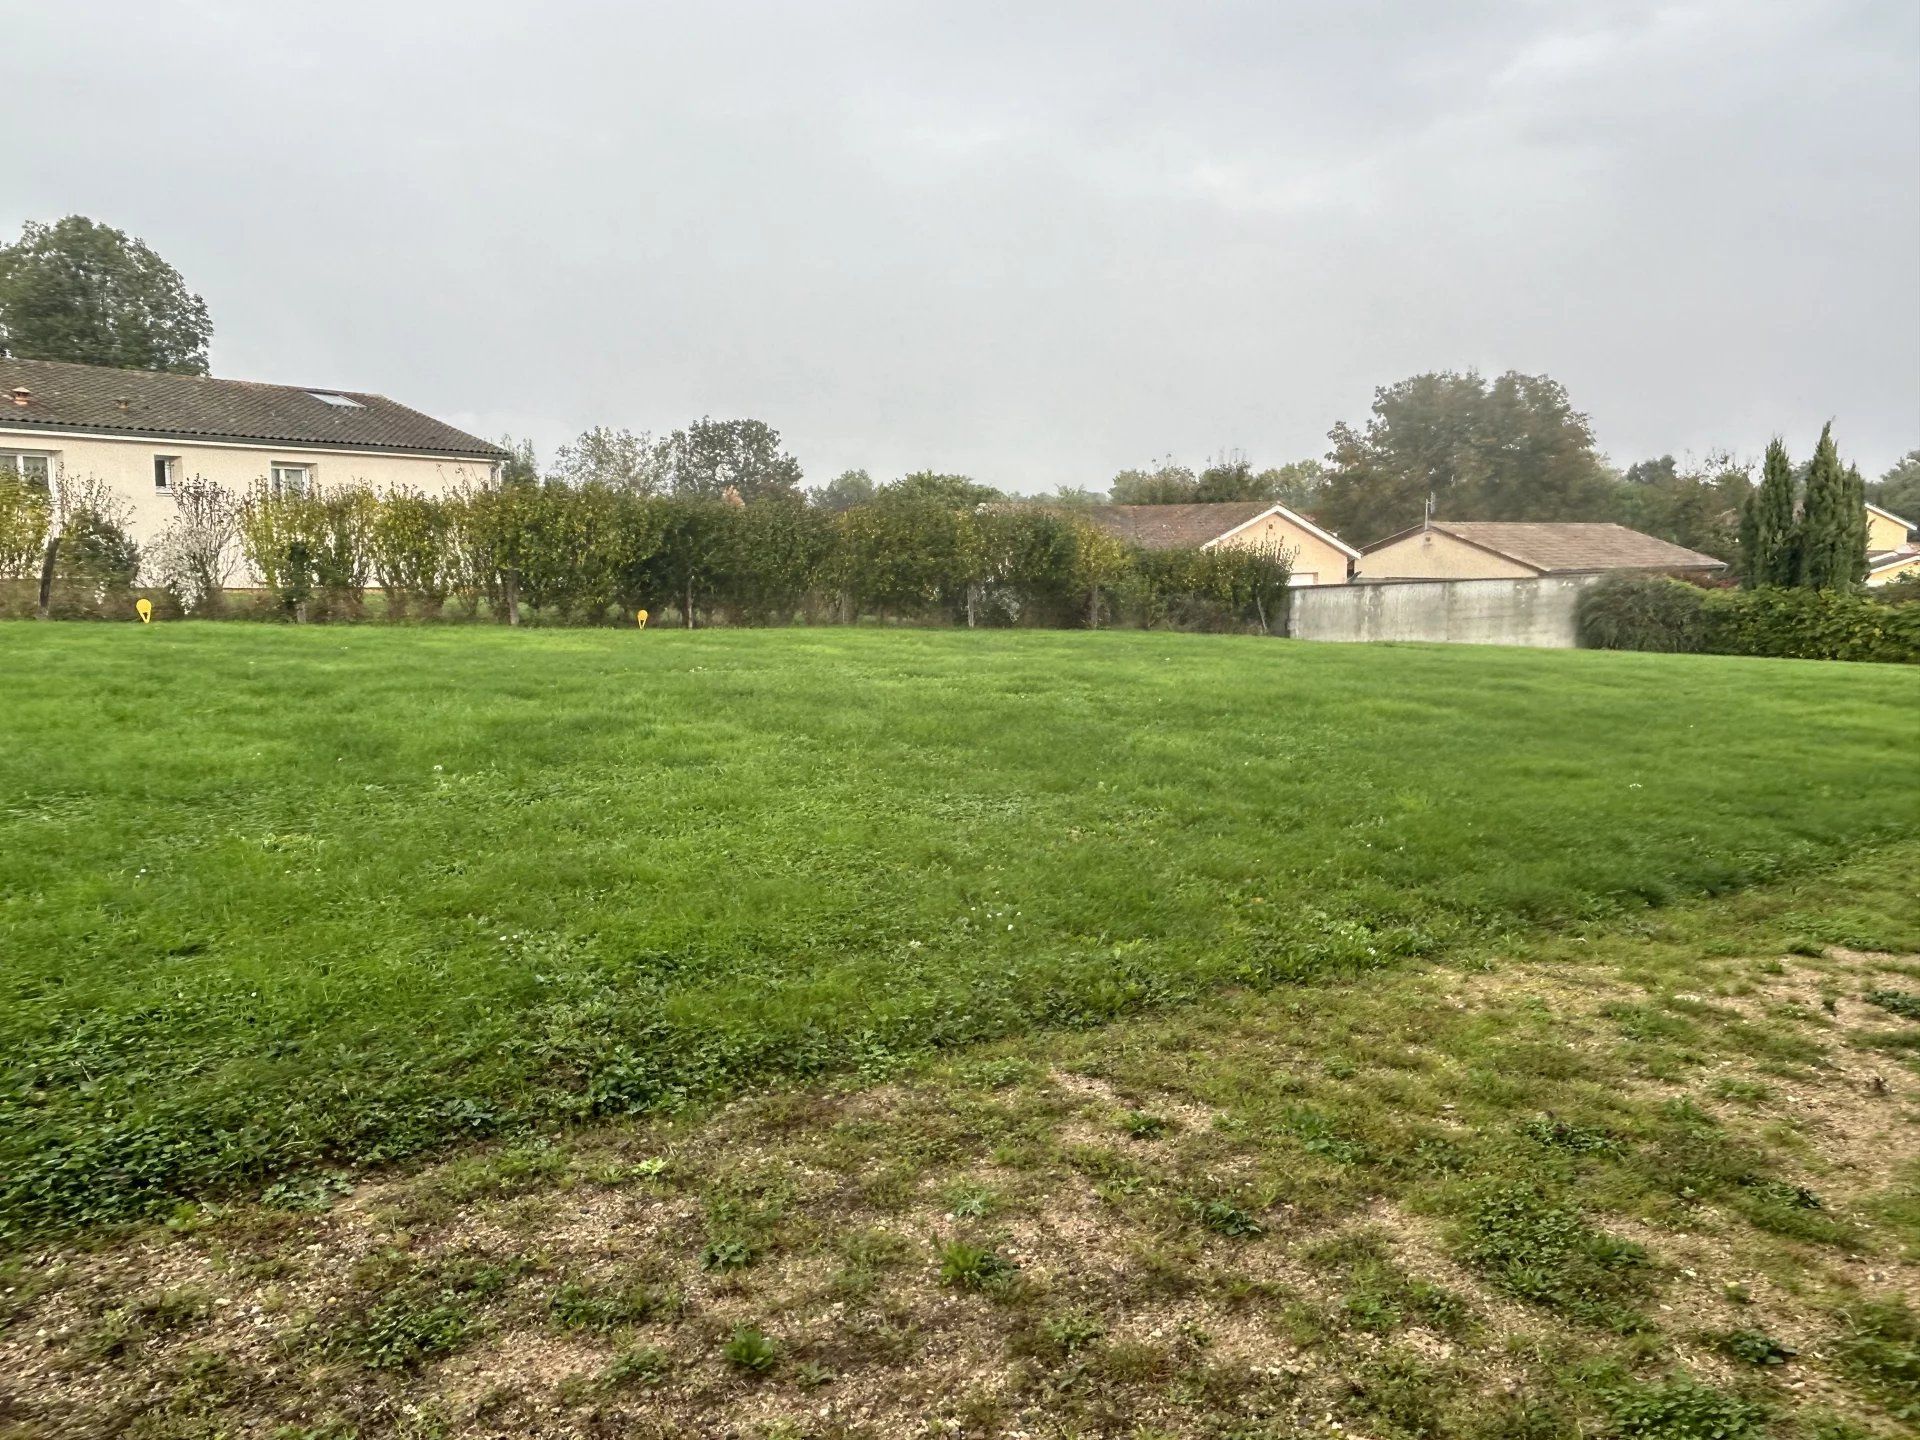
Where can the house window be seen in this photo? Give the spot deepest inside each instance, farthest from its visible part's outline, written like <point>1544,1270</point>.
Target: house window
<point>166,469</point>
<point>35,469</point>
<point>292,479</point>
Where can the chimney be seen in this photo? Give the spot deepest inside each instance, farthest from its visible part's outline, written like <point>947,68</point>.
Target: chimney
<point>123,403</point>
<point>21,395</point>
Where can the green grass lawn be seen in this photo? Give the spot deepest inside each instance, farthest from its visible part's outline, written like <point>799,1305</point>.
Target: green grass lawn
<point>274,898</point>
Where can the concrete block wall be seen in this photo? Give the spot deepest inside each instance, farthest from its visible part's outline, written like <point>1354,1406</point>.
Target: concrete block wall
<point>1538,613</point>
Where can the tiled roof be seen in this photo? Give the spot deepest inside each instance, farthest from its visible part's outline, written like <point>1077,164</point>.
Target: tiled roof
<point>97,399</point>
<point>1569,547</point>
<point>1174,527</point>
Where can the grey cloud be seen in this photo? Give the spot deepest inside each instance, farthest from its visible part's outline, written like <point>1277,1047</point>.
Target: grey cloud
<point>1032,242</point>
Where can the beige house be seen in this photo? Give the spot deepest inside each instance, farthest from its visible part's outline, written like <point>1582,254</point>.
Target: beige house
<point>146,435</point>
<point>1892,550</point>
<point>1315,556</point>
<point>1521,550</point>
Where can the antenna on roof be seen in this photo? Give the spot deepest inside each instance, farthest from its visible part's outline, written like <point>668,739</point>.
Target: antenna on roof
<point>1427,524</point>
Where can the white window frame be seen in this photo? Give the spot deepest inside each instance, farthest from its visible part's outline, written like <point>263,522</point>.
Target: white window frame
<point>16,461</point>
<point>280,473</point>
<point>165,481</point>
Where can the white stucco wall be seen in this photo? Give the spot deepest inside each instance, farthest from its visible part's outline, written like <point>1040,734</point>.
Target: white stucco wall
<point>1435,555</point>
<point>127,465</point>
<point>1309,555</point>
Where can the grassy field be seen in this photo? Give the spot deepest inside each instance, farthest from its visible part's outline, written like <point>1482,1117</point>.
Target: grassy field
<point>276,900</point>
<point>1658,1179</point>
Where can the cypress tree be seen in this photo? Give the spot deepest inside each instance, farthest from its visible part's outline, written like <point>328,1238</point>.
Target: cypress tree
<point>1773,528</point>
<point>1750,539</point>
<point>1856,526</point>
<point>1825,526</point>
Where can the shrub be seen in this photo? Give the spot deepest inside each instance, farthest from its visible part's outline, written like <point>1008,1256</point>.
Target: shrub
<point>411,545</point>
<point>342,554</point>
<point>196,554</point>
<point>1643,612</point>
<point>1651,612</point>
<point>1811,625</point>
<point>279,535</point>
<point>24,516</point>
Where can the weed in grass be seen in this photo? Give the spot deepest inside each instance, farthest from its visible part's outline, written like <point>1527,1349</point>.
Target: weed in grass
<point>1680,1408</point>
<point>728,1254</point>
<point>1224,1219</point>
<point>811,1375</point>
<point>750,1350</point>
<point>1744,1092</point>
<point>1381,1300</point>
<point>1903,1003</point>
<point>1751,1347</point>
<point>1540,1249</point>
<point>969,1201</point>
<point>1878,1350</point>
<point>1143,1126</point>
<point>974,1267</point>
<point>1571,1138</point>
<point>417,1313</point>
<point>1072,1330</point>
<point>575,1306</point>
<point>400,1332</point>
<point>306,1193</point>
<point>644,1369</point>
<point>1319,1135</point>
<point>1402,1394</point>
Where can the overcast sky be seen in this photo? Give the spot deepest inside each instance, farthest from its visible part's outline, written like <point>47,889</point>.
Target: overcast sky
<point>1031,242</point>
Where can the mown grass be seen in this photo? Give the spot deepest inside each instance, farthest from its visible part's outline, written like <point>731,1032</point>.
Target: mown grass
<point>1485,1197</point>
<point>272,901</point>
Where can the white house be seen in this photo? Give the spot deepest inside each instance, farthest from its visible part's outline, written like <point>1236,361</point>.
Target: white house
<point>146,434</point>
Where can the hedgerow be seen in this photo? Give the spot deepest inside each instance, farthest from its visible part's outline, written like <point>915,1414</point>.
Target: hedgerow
<point>592,554</point>
<point>1654,612</point>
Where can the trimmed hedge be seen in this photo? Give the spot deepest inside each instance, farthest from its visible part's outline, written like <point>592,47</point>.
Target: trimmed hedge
<point>1811,625</point>
<point>1652,612</point>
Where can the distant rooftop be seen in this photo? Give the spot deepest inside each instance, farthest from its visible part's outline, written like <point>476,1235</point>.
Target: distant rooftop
<point>100,400</point>
<point>1564,547</point>
<point>1187,527</point>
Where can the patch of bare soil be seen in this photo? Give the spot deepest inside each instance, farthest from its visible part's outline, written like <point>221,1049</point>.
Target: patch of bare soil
<point>848,1230</point>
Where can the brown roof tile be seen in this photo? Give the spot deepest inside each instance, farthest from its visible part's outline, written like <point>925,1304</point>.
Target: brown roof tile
<point>1174,527</point>
<point>193,407</point>
<point>1569,547</point>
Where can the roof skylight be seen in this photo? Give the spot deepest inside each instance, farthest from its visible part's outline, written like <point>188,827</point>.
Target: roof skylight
<point>343,401</point>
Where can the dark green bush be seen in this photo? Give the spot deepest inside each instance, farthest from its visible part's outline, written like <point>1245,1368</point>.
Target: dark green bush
<point>1643,612</point>
<point>1811,625</point>
<point>1653,612</point>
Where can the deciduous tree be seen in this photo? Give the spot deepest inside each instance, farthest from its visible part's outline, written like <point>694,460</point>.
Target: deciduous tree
<point>88,293</point>
<point>1510,449</point>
